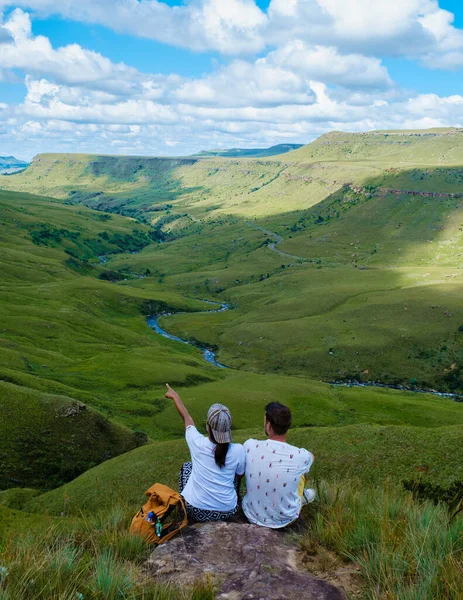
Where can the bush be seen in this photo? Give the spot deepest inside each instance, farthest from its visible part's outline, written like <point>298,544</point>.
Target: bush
<point>111,276</point>
<point>451,496</point>
<point>48,234</point>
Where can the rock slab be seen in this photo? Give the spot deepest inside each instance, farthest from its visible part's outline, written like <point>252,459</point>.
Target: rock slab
<point>246,562</point>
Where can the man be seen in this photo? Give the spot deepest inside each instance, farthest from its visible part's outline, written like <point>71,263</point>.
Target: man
<point>275,473</point>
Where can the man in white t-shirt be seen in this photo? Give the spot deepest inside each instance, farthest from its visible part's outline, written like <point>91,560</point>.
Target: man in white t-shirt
<point>275,473</point>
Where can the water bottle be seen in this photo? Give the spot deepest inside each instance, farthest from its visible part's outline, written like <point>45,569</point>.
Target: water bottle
<point>159,528</point>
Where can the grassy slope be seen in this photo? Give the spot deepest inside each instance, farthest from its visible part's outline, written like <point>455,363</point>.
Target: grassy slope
<point>411,243</point>
<point>285,319</point>
<point>62,330</point>
<point>47,440</point>
<point>367,453</point>
<point>65,332</point>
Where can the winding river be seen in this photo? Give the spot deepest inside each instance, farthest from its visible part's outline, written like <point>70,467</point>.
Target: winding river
<point>208,354</point>
<point>402,388</point>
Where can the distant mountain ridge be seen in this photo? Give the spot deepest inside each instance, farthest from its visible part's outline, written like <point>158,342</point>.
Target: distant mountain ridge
<point>250,152</point>
<point>10,164</point>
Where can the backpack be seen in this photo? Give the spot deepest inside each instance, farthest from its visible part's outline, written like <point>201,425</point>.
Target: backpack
<point>168,515</point>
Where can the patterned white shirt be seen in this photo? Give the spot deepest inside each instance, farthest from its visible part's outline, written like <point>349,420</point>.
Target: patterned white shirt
<point>273,472</point>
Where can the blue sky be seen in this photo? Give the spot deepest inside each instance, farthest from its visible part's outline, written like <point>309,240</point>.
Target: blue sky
<point>171,77</point>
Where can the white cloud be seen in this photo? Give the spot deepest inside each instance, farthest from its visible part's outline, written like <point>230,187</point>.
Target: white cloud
<point>69,65</point>
<point>326,64</point>
<point>80,100</point>
<point>200,25</point>
<point>412,28</point>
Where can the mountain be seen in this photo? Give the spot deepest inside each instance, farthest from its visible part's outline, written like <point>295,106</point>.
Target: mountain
<point>249,152</point>
<point>10,164</point>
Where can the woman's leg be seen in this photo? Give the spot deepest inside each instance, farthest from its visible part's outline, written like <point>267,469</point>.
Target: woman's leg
<point>237,484</point>
<point>184,475</point>
<point>200,515</point>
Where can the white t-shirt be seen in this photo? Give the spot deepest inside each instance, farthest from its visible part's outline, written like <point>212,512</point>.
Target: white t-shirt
<point>273,472</point>
<point>209,486</point>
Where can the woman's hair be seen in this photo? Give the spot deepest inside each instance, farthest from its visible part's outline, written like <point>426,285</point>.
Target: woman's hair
<point>219,421</point>
<point>220,450</point>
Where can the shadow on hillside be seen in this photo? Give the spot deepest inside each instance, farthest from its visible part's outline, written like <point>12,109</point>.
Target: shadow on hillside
<point>376,330</point>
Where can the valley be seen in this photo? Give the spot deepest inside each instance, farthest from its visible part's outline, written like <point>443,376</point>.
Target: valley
<point>340,261</point>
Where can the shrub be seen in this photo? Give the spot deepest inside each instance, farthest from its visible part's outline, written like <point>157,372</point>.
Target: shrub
<point>111,276</point>
<point>451,496</point>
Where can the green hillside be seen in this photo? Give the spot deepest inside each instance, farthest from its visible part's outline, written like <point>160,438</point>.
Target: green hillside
<point>429,146</point>
<point>338,261</point>
<point>374,218</point>
<point>47,440</point>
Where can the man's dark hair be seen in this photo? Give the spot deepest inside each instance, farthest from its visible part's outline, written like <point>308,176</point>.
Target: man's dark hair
<point>279,417</point>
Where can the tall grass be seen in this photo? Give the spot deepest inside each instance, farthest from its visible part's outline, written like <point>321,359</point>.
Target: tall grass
<point>91,558</point>
<point>405,550</point>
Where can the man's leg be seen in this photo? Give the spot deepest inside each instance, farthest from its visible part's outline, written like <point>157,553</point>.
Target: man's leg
<point>300,487</point>
<point>306,495</point>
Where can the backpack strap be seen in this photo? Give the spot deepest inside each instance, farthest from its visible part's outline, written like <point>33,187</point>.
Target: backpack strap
<point>183,524</point>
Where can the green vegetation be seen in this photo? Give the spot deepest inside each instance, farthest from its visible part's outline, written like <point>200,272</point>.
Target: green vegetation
<point>88,558</point>
<point>365,452</point>
<point>339,261</point>
<point>402,549</point>
<point>47,440</point>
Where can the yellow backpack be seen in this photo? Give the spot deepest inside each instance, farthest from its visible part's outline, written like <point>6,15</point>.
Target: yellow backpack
<point>161,517</point>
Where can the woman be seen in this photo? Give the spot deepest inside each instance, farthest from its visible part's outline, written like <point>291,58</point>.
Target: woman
<point>209,482</point>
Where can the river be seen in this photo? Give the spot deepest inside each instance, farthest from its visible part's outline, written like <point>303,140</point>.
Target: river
<point>208,354</point>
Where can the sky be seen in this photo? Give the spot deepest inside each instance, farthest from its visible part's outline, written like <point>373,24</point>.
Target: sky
<point>172,77</point>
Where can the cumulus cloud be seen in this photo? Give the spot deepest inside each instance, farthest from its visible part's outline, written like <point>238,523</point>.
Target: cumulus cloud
<point>77,99</point>
<point>69,65</point>
<point>411,28</point>
<point>200,25</point>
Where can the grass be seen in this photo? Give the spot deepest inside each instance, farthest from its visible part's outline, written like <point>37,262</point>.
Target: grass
<point>64,332</point>
<point>401,549</point>
<point>388,260</point>
<point>87,558</point>
<point>48,440</point>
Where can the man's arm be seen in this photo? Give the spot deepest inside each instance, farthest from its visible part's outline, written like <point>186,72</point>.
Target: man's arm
<point>182,411</point>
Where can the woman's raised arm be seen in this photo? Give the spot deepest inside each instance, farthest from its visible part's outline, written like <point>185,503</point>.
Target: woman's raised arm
<point>182,411</point>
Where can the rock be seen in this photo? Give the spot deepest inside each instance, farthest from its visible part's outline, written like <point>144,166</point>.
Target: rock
<point>73,410</point>
<point>245,561</point>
